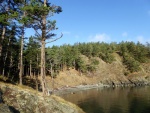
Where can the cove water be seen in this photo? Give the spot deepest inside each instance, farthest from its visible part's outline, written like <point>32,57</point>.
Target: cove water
<point>112,100</point>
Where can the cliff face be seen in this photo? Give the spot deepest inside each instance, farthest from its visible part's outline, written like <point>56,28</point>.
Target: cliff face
<point>24,100</point>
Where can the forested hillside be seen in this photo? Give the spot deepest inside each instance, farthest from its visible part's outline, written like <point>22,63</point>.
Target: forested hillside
<point>83,57</point>
<point>67,56</point>
<point>22,57</point>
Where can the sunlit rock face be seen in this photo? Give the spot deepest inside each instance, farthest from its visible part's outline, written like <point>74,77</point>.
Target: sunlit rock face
<point>26,101</point>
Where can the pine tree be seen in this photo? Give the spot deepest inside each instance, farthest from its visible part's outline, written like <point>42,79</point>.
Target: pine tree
<point>32,54</point>
<point>7,15</point>
<point>38,13</point>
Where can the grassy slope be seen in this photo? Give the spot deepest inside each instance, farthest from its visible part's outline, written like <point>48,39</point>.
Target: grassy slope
<point>105,73</point>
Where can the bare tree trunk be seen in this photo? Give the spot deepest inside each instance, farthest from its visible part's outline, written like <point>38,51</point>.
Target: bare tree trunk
<point>37,74</point>
<point>21,62</point>
<point>27,71</point>
<point>21,52</point>
<point>1,44</point>
<point>10,65</point>
<point>5,58</point>
<point>30,70</point>
<point>43,74</point>
<point>2,38</point>
<point>36,80</point>
<point>21,58</point>
<point>52,75</point>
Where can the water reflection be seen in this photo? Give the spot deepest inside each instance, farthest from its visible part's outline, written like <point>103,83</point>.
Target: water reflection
<point>118,100</point>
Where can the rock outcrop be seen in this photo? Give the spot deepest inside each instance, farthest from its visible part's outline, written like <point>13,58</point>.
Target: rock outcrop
<point>5,109</point>
<point>25,100</point>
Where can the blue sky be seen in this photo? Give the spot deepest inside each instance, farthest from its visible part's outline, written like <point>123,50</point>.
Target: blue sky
<point>102,20</point>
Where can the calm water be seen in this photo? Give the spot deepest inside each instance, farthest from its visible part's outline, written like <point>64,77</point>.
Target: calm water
<point>108,100</point>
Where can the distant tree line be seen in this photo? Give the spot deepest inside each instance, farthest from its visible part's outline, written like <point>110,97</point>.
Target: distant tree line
<point>73,56</point>
<point>60,58</point>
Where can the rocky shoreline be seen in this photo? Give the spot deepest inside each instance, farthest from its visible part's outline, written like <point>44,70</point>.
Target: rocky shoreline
<point>12,98</point>
<point>72,90</point>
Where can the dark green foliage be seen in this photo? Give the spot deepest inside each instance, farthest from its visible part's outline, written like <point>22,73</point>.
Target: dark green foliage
<point>94,61</point>
<point>76,56</point>
<point>101,50</point>
<point>131,63</point>
<point>107,57</point>
<point>10,53</point>
<point>133,54</point>
<point>32,53</point>
<point>81,65</point>
<point>93,65</point>
<point>91,68</point>
<point>53,60</point>
<point>19,14</point>
<point>35,12</point>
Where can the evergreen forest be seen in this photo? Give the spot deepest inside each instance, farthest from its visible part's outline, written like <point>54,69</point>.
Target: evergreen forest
<point>22,56</point>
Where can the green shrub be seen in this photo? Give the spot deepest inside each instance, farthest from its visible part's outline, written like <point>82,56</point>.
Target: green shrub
<point>132,64</point>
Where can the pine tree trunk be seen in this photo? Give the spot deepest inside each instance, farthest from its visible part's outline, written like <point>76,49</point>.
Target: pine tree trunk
<point>30,70</point>
<point>36,80</point>
<point>21,58</point>
<point>21,53</point>
<point>5,58</point>
<point>37,74</point>
<point>10,65</point>
<point>2,38</point>
<point>52,75</point>
<point>43,82</point>
<point>43,74</point>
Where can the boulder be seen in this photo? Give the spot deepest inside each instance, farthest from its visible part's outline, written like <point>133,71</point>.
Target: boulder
<point>5,109</point>
<point>29,101</point>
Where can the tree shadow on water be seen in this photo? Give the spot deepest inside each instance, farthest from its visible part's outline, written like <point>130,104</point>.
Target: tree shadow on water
<point>138,106</point>
<point>91,106</point>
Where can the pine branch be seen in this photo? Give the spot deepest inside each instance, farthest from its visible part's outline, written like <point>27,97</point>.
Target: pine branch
<point>49,30</point>
<point>37,32</point>
<point>55,39</point>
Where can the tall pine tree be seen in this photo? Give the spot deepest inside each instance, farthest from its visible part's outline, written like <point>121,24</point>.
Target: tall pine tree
<point>39,13</point>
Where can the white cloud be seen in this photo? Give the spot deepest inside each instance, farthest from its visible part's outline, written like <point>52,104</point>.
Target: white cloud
<point>100,38</point>
<point>124,34</point>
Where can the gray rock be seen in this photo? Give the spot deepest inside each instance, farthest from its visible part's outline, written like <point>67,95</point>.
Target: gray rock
<point>30,101</point>
<point>5,109</point>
